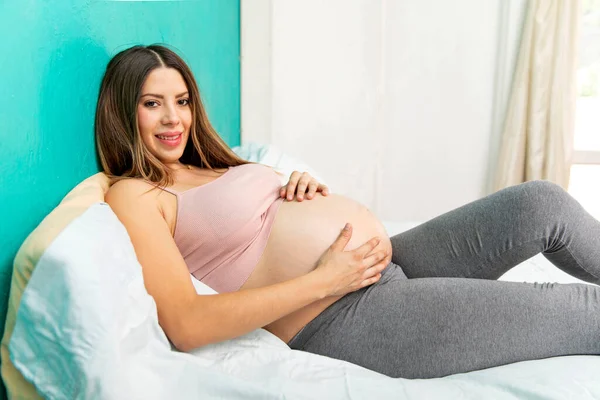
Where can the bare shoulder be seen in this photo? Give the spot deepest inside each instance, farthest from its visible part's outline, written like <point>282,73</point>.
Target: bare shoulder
<point>131,190</point>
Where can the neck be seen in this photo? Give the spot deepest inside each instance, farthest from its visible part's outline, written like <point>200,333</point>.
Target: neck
<point>175,166</point>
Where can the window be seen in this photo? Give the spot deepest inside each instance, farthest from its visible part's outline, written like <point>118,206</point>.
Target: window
<point>585,172</point>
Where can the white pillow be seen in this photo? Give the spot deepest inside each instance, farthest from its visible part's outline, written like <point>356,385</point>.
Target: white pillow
<point>87,328</point>
<point>272,156</point>
<point>63,341</point>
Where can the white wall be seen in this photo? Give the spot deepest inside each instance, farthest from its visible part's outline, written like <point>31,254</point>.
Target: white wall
<point>397,103</point>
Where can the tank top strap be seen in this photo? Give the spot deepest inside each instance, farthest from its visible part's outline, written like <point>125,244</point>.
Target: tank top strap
<point>173,192</point>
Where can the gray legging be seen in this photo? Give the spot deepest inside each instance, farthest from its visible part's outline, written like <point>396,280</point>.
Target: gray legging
<point>451,315</point>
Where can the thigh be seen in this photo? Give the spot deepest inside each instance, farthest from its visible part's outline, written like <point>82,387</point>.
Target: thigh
<point>432,327</point>
<point>482,239</point>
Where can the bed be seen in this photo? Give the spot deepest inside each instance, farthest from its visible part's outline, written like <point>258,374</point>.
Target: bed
<point>87,328</point>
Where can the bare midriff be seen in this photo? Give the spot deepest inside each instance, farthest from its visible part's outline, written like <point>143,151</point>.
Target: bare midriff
<point>301,233</point>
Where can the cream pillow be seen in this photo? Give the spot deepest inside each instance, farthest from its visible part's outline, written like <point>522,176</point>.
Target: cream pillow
<point>88,192</point>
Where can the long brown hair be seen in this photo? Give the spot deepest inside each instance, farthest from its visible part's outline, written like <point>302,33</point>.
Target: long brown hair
<point>120,147</point>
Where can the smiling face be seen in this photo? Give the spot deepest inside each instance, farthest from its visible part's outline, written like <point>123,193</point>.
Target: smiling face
<point>164,115</point>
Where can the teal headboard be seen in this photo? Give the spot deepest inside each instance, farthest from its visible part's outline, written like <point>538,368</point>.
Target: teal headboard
<point>52,56</point>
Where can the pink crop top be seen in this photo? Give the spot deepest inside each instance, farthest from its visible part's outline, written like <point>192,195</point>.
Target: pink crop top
<point>223,226</point>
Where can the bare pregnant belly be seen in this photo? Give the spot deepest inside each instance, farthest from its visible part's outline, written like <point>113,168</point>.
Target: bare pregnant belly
<point>301,233</point>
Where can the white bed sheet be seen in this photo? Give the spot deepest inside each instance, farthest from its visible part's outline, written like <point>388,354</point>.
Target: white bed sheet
<point>86,328</point>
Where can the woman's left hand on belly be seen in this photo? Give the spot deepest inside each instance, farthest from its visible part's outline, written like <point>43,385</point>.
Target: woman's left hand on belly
<point>301,184</point>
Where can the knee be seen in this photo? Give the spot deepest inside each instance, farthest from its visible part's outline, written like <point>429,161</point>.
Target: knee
<point>545,191</point>
<point>542,198</point>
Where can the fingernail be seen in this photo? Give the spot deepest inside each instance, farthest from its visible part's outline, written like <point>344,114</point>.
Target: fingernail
<point>347,226</point>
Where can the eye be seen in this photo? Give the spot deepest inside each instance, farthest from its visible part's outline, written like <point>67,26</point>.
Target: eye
<point>184,102</point>
<point>151,103</point>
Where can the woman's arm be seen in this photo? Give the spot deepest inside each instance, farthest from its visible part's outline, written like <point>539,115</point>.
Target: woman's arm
<point>191,320</point>
<point>302,184</point>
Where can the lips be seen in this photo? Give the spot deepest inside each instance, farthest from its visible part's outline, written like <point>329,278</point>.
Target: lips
<point>170,138</point>
<point>168,135</point>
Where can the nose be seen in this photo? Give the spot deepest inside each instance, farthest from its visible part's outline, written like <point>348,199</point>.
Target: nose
<point>170,116</point>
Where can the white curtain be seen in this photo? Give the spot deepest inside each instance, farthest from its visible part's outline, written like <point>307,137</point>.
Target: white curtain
<point>537,140</point>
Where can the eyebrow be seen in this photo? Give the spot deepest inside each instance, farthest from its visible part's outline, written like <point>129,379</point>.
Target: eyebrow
<point>160,96</point>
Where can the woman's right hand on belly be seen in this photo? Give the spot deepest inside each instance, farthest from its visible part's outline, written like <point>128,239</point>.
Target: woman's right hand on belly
<point>347,271</point>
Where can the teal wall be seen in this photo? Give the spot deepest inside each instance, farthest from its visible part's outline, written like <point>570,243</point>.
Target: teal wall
<point>52,56</point>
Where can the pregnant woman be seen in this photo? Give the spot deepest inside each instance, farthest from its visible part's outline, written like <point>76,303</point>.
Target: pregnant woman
<point>318,269</point>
